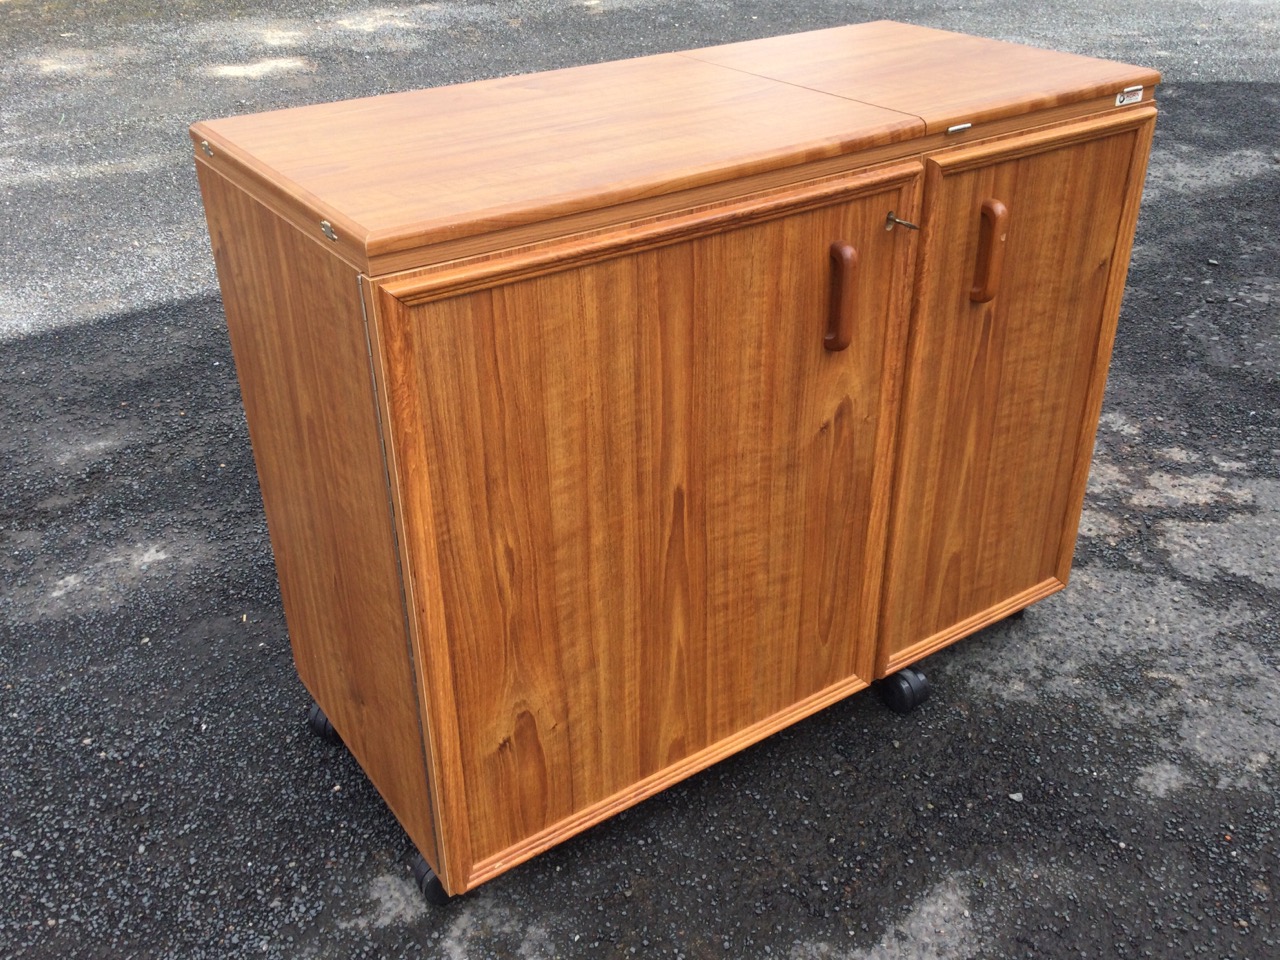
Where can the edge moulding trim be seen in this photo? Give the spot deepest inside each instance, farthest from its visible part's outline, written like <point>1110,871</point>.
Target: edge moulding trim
<point>661,231</point>
<point>918,651</point>
<point>656,783</point>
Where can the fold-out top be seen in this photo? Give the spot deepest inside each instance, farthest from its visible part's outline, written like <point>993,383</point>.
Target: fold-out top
<point>390,176</point>
<point>944,78</point>
<point>409,169</point>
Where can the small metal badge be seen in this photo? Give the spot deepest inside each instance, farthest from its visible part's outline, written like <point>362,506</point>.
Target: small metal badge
<point>1128,95</point>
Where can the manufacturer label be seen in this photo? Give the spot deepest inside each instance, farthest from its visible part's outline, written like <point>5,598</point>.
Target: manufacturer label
<point>1128,95</point>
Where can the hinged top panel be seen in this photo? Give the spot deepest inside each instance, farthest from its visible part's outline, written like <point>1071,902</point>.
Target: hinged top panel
<point>945,78</point>
<point>397,172</point>
<point>384,178</point>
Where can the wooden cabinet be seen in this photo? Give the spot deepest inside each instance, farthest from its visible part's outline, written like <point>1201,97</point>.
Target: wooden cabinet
<point>611,419</point>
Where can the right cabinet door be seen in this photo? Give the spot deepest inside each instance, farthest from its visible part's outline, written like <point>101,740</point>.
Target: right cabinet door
<point>1025,249</point>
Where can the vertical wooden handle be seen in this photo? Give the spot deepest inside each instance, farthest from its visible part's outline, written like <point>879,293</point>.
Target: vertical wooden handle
<point>844,292</point>
<point>991,237</point>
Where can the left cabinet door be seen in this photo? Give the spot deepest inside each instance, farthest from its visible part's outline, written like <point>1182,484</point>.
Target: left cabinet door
<point>643,500</point>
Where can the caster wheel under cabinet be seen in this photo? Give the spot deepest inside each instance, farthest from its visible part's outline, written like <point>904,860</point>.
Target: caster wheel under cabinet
<point>427,882</point>
<point>905,690</point>
<point>611,419</point>
<point>320,724</point>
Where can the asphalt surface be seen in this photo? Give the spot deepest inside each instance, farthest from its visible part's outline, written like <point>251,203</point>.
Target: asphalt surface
<point>1096,779</point>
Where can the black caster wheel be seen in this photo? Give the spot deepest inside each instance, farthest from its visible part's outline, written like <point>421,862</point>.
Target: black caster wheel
<point>428,882</point>
<point>905,690</point>
<point>321,726</point>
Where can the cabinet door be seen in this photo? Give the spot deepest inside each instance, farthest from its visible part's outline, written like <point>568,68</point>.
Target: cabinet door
<point>1024,253</point>
<point>642,500</point>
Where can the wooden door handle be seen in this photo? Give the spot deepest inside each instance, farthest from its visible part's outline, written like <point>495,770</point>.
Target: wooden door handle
<point>844,292</point>
<point>991,238</point>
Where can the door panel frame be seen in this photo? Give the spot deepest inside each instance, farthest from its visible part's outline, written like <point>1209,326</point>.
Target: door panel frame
<point>960,160</point>
<point>397,327</point>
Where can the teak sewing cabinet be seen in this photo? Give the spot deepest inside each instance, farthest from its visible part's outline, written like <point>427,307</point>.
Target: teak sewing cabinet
<point>613,418</point>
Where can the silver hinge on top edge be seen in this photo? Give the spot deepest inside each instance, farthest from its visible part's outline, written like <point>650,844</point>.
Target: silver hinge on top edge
<point>327,229</point>
<point>204,145</point>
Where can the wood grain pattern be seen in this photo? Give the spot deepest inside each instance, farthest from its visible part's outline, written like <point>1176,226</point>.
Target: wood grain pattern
<point>995,422</point>
<point>657,502</point>
<point>297,333</point>
<point>942,77</point>
<point>464,160</point>
<point>666,777</point>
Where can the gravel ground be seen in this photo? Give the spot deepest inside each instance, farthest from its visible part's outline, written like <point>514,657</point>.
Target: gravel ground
<point>1096,779</point>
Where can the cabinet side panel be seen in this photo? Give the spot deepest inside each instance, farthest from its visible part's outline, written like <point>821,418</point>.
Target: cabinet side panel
<point>297,332</point>
<point>1102,360</point>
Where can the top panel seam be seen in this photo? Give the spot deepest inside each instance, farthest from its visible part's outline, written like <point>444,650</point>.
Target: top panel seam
<point>788,83</point>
